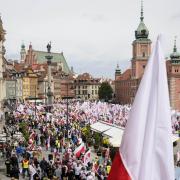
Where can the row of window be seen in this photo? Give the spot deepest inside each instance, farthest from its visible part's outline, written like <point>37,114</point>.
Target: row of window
<point>128,83</point>
<point>85,87</point>
<point>128,93</point>
<point>81,81</point>
<point>94,92</point>
<point>176,70</point>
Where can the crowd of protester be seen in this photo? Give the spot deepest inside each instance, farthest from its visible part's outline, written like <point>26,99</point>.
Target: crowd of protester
<point>55,147</point>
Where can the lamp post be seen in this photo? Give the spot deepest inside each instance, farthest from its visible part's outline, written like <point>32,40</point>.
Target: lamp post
<point>49,92</point>
<point>67,109</point>
<point>35,102</point>
<point>45,92</point>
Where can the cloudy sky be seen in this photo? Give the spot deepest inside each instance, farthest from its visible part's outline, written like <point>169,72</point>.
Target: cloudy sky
<point>94,35</point>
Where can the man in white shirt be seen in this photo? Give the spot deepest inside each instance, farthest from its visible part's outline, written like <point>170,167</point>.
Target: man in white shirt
<point>32,171</point>
<point>77,171</point>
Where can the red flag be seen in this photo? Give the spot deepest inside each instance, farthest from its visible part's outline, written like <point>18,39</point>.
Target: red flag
<point>118,171</point>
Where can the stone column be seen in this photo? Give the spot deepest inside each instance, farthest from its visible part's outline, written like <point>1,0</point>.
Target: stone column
<point>49,92</point>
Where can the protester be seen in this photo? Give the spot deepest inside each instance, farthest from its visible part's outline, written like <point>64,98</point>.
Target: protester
<point>54,146</point>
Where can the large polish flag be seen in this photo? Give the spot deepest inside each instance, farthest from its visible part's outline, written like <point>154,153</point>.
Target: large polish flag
<point>146,151</point>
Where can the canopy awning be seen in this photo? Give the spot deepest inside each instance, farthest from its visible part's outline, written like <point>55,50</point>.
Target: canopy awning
<point>115,133</point>
<point>100,127</point>
<point>174,138</point>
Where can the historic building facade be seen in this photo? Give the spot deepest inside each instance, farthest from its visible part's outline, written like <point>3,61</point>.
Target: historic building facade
<point>127,83</point>
<point>86,87</point>
<point>30,84</point>
<point>173,72</point>
<point>32,56</point>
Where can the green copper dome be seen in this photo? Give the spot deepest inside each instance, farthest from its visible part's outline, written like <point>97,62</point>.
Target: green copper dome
<point>142,31</point>
<point>175,54</point>
<point>23,46</point>
<point>118,71</point>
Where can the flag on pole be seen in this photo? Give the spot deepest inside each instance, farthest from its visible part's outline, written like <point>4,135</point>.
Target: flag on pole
<point>87,157</point>
<point>80,149</point>
<point>146,151</point>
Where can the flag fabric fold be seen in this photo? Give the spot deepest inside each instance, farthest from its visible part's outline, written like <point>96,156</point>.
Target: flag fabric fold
<point>87,157</point>
<point>79,150</point>
<point>146,151</point>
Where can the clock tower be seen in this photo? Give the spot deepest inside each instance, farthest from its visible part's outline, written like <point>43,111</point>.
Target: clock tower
<point>141,47</point>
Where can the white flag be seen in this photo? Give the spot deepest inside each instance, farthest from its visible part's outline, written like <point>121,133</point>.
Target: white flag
<point>146,150</point>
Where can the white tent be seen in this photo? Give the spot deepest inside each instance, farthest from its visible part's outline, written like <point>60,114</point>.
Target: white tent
<point>100,127</point>
<point>114,133</point>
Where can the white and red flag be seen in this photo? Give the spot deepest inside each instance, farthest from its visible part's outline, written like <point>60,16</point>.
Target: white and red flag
<point>146,150</point>
<point>79,150</point>
<point>87,157</point>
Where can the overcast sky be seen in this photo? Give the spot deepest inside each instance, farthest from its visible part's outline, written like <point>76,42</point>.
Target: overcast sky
<point>94,35</point>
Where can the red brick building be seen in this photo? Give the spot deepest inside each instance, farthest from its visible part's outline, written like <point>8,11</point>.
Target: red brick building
<point>127,83</point>
<point>173,72</point>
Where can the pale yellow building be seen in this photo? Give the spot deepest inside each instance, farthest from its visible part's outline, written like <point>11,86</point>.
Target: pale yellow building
<point>30,85</point>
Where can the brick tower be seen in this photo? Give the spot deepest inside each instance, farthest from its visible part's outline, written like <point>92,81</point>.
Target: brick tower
<point>141,48</point>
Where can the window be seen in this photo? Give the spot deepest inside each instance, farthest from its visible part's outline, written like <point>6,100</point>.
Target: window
<point>143,54</point>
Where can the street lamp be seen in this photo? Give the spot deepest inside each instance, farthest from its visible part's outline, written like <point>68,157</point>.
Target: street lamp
<point>67,109</point>
<point>67,102</point>
<point>35,102</point>
<point>45,94</point>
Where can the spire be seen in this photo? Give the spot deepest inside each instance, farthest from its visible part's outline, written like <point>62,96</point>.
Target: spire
<point>22,45</point>
<point>175,54</point>
<point>142,31</point>
<point>117,66</point>
<point>175,48</point>
<point>30,46</point>
<point>142,16</point>
<point>118,71</point>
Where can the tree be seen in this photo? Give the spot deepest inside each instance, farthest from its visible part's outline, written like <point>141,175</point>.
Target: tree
<point>105,91</point>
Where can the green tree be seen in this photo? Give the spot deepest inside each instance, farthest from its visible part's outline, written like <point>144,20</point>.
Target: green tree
<point>105,91</point>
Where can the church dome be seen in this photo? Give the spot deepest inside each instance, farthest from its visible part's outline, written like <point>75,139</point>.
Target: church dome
<point>23,46</point>
<point>175,54</point>
<point>142,31</point>
<point>118,70</point>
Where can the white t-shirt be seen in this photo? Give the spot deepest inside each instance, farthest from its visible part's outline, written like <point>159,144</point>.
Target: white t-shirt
<point>32,171</point>
<point>90,177</point>
<point>77,170</point>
